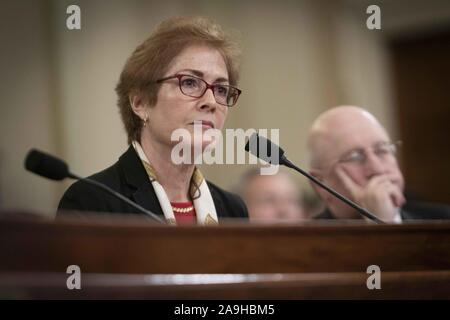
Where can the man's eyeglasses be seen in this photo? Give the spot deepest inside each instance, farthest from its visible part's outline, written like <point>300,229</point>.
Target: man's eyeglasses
<point>196,87</point>
<point>381,150</point>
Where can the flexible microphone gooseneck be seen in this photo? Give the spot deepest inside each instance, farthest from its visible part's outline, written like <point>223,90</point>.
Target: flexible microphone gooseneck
<point>50,167</point>
<point>268,151</point>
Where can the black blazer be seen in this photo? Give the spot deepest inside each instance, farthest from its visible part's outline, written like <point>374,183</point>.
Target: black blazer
<point>128,177</point>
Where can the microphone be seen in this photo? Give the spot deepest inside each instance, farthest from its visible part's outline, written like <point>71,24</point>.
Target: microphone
<point>47,166</point>
<point>50,167</point>
<point>268,151</point>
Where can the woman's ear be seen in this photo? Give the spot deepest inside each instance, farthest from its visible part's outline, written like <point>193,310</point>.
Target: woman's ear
<point>139,105</point>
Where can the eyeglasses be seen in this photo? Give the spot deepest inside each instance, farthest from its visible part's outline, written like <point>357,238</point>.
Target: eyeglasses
<point>196,87</point>
<point>381,150</point>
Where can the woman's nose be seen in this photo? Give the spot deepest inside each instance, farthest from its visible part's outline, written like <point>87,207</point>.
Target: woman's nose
<point>208,100</point>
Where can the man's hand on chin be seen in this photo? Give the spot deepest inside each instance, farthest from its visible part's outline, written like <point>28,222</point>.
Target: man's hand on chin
<point>380,195</point>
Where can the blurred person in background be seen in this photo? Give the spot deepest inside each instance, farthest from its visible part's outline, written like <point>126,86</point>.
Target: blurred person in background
<point>271,197</point>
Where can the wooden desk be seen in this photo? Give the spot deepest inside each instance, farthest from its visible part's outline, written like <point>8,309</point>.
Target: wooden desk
<point>278,261</point>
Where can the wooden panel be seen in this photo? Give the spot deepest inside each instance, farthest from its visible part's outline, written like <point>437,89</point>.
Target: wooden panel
<point>421,67</point>
<point>112,245</point>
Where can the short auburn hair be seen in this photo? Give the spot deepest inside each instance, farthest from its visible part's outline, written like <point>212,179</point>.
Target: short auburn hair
<point>151,59</point>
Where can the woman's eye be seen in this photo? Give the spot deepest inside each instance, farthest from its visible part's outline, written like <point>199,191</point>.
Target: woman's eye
<point>189,83</point>
<point>222,90</point>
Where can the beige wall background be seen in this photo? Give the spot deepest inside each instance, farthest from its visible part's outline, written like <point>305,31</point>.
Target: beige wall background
<point>300,58</point>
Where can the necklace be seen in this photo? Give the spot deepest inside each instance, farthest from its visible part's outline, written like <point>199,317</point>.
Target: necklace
<point>183,210</point>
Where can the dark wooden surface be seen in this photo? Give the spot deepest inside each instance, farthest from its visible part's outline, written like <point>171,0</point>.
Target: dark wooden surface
<point>342,285</point>
<point>293,261</point>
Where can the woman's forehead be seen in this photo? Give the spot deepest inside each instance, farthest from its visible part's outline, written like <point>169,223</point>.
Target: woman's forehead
<point>200,60</point>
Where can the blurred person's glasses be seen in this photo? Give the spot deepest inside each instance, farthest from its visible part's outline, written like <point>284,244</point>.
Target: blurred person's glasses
<point>381,150</point>
<point>196,87</point>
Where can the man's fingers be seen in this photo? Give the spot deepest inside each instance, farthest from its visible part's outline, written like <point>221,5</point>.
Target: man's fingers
<point>396,195</point>
<point>347,181</point>
<point>378,180</point>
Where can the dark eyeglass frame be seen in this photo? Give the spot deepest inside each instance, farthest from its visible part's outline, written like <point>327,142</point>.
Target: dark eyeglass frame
<point>208,86</point>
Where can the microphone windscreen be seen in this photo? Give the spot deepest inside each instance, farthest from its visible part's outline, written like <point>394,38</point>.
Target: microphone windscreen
<point>264,149</point>
<point>46,165</point>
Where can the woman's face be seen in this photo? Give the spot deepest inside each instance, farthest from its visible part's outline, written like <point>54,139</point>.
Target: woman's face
<point>174,110</point>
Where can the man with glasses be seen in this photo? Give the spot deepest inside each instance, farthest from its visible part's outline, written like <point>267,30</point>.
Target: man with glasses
<point>351,152</point>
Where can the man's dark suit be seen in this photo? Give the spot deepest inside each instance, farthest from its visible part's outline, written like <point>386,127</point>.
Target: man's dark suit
<point>410,211</point>
<point>128,177</point>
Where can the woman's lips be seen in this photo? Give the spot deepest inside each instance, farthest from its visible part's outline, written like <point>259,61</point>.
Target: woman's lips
<point>204,123</point>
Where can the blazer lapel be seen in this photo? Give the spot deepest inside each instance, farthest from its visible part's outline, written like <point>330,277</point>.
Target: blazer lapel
<point>220,209</point>
<point>146,197</point>
<point>136,176</point>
